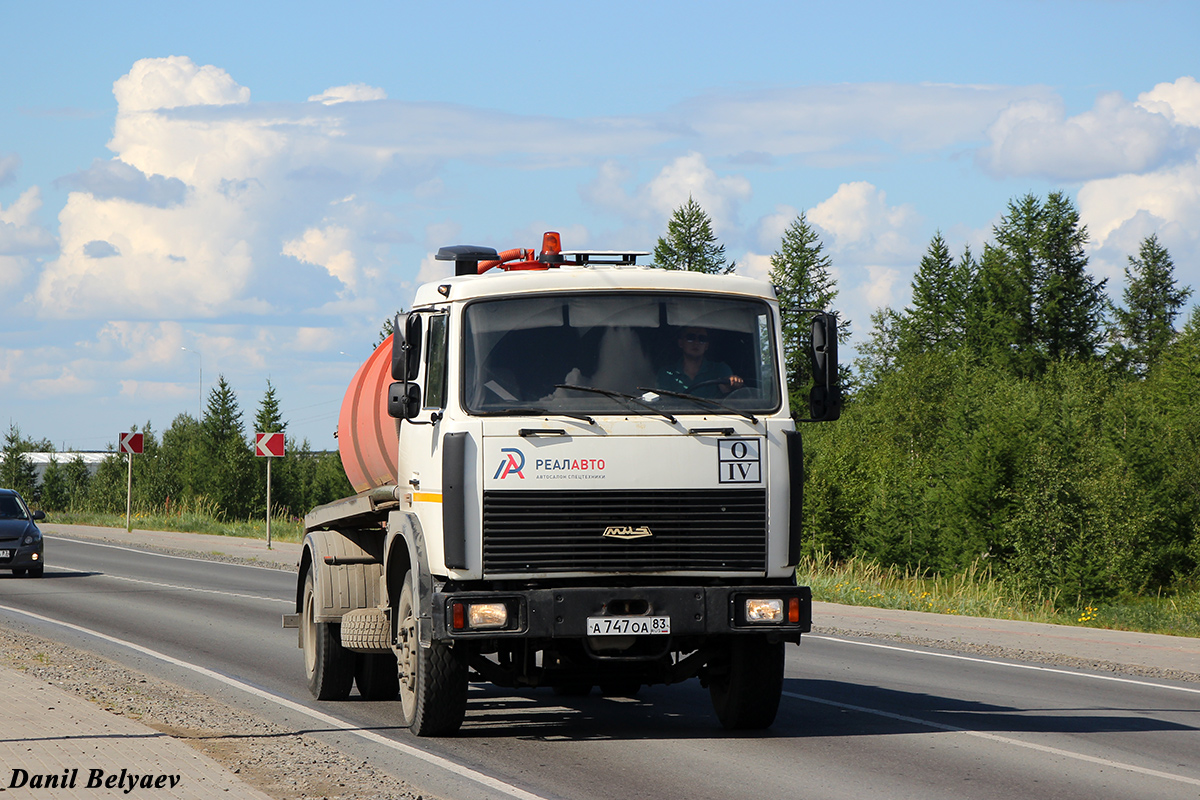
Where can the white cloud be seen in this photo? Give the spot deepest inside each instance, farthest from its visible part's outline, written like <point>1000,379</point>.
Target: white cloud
<point>21,236</point>
<point>351,93</point>
<point>1116,136</point>
<point>686,176</point>
<point>158,83</point>
<point>1178,101</point>
<point>330,247</point>
<point>862,225</point>
<point>840,123</point>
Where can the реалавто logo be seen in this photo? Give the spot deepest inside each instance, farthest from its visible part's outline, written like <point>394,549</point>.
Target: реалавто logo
<point>511,464</point>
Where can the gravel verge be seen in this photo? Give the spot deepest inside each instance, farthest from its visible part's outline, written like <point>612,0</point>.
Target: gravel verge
<point>276,761</point>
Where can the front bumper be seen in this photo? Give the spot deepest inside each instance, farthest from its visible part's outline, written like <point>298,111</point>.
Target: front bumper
<point>21,556</point>
<point>562,613</point>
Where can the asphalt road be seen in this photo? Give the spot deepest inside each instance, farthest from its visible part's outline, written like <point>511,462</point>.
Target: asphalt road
<point>857,721</point>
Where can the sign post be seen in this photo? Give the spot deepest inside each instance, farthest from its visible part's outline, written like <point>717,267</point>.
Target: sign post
<point>268,445</point>
<point>130,444</point>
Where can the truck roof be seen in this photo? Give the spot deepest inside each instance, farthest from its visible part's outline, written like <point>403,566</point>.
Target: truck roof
<point>569,277</point>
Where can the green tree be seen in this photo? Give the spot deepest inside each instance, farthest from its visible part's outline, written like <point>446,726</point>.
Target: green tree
<point>690,243</point>
<point>54,487</point>
<point>1000,312</point>
<point>225,456</point>
<point>77,479</point>
<point>801,273</point>
<point>937,318</point>
<point>879,356</point>
<point>1153,299</point>
<point>1069,301</point>
<point>16,470</point>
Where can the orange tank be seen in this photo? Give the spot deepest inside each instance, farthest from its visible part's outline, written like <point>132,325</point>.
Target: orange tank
<point>367,436</point>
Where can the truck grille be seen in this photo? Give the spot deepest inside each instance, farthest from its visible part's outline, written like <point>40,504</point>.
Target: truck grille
<point>562,531</point>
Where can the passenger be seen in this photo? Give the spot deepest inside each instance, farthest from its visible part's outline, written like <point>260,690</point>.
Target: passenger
<point>694,373</point>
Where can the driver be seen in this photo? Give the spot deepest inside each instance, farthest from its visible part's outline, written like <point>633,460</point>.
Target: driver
<point>694,373</point>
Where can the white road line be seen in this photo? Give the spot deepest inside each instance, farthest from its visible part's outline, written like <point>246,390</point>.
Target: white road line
<point>488,781</point>
<point>1000,739</point>
<point>1035,668</point>
<point>197,589</point>
<point>60,537</point>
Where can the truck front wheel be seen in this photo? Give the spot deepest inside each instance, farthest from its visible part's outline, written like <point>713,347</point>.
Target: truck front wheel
<point>746,686</point>
<point>433,680</point>
<point>328,666</point>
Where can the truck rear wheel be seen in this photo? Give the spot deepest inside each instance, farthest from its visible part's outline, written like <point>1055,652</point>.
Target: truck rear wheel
<point>328,666</point>
<point>377,676</point>
<point>746,691</point>
<point>433,680</point>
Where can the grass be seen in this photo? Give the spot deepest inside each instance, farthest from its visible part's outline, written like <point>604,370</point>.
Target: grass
<point>197,517</point>
<point>976,592</point>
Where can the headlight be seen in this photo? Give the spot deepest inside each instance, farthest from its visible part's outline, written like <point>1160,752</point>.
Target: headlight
<point>478,616</point>
<point>487,615</point>
<point>764,610</point>
<point>30,538</point>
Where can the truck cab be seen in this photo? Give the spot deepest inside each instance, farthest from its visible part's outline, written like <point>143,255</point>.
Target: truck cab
<point>571,472</point>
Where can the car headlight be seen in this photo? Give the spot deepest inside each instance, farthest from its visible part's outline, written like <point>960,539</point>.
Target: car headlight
<point>30,538</point>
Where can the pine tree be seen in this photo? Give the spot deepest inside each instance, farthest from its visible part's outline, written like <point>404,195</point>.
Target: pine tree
<point>690,243</point>
<point>937,318</point>
<point>1146,325</point>
<point>1069,301</point>
<point>54,487</point>
<point>225,454</point>
<point>16,470</point>
<point>269,419</point>
<point>800,271</point>
<point>78,480</point>
<point>878,357</point>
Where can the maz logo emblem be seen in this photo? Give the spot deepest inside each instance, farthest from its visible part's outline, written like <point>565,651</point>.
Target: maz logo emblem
<point>625,532</point>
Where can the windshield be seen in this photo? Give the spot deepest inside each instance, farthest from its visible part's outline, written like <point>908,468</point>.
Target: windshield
<point>11,507</point>
<point>590,354</point>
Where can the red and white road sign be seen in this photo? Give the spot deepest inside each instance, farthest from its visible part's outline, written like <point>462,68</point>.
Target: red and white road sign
<point>129,443</point>
<point>268,444</point>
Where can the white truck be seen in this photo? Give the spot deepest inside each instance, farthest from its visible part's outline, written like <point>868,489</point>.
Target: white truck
<point>571,472</point>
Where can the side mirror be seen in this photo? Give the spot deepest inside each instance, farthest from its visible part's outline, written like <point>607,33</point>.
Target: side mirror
<point>38,515</point>
<point>825,399</point>
<point>404,400</point>
<point>399,325</point>
<point>412,345</point>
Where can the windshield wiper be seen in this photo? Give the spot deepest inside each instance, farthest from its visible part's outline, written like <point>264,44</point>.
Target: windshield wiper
<point>621,395</point>
<point>705,400</point>
<point>535,411</point>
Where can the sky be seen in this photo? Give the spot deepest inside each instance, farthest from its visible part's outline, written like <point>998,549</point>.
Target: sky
<point>249,190</point>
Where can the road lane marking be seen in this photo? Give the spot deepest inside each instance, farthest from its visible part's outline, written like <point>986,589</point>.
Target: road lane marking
<point>996,738</point>
<point>60,537</point>
<point>289,601</point>
<point>487,781</point>
<point>977,660</point>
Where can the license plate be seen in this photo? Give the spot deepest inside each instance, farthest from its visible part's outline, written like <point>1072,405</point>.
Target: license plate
<point>5,553</point>
<point>628,626</point>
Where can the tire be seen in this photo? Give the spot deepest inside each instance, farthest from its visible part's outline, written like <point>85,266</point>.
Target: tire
<point>377,676</point>
<point>328,666</point>
<point>19,572</point>
<point>746,695</point>
<point>433,680</point>
<point>37,572</point>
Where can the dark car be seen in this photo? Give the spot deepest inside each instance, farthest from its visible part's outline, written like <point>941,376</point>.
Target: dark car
<point>20,539</point>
